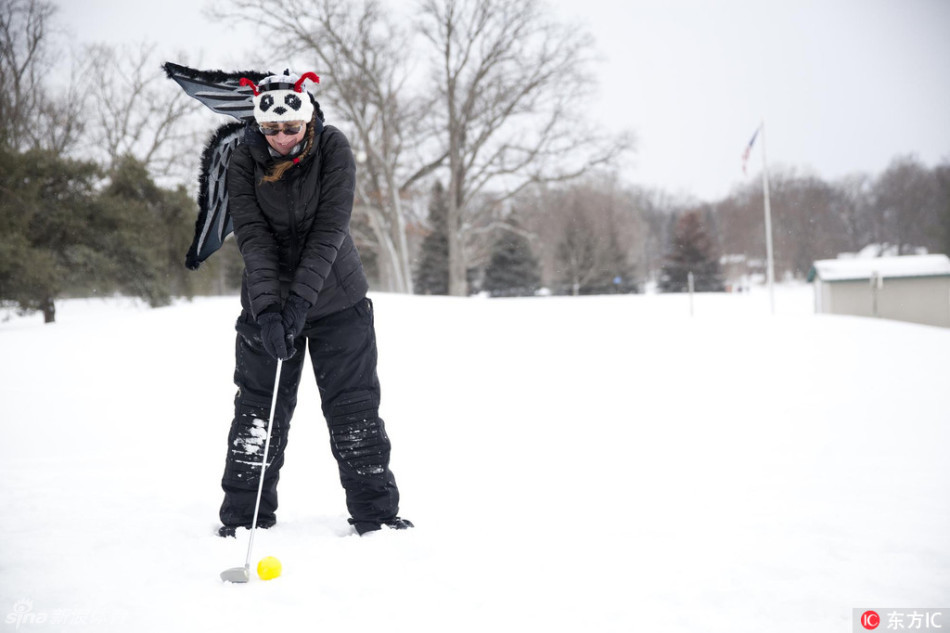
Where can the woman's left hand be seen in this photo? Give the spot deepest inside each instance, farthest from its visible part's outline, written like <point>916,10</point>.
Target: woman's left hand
<point>274,336</point>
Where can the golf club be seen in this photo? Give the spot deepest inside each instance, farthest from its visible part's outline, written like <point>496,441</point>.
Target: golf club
<point>243,574</point>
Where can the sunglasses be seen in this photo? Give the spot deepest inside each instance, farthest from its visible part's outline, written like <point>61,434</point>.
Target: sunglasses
<point>289,130</point>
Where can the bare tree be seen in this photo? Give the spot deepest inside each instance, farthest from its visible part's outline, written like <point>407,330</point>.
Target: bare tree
<point>854,206</point>
<point>589,232</point>
<point>510,80</point>
<point>61,118</point>
<point>363,64</point>
<point>942,176</point>
<point>807,223</point>
<point>655,214</point>
<point>576,256</point>
<point>906,202</point>
<point>136,114</point>
<point>30,115</point>
<point>23,35</point>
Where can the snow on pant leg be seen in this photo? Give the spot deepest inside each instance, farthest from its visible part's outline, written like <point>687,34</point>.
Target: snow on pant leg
<point>254,376</point>
<point>343,352</point>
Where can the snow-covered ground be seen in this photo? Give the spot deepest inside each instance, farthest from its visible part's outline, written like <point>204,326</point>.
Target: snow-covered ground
<point>591,464</point>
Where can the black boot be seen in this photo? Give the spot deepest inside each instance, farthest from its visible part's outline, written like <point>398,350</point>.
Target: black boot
<point>396,523</point>
<point>230,531</point>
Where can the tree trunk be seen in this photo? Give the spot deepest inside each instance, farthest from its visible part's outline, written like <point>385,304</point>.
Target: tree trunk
<point>458,283</point>
<point>390,268</point>
<point>49,310</point>
<point>401,255</point>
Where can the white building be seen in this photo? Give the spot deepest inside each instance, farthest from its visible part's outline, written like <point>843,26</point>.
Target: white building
<point>912,288</point>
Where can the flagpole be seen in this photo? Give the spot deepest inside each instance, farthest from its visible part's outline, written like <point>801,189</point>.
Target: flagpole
<point>770,268</point>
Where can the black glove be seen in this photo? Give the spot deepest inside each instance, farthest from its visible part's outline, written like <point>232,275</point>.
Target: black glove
<point>294,315</point>
<point>274,336</point>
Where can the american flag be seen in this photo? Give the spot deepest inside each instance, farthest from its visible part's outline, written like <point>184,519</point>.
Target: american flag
<point>748,149</point>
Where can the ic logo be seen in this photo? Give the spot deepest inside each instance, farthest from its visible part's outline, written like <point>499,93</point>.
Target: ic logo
<point>870,620</point>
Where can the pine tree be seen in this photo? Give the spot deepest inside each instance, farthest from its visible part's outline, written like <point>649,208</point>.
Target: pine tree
<point>137,240</point>
<point>691,251</point>
<point>48,211</point>
<point>512,270</point>
<point>61,235</point>
<point>432,274</point>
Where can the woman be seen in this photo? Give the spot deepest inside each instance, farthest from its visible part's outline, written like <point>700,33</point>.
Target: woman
<point>290,190</point>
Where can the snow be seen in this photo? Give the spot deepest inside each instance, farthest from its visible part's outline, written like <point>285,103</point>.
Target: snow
<point>864,268</point>
<point>253,445</point>
<point>588,464</point>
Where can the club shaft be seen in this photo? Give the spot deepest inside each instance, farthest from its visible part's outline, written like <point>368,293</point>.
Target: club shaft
<point>260,484</point>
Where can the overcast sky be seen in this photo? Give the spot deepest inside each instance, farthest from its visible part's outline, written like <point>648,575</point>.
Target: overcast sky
<point>842,85</point>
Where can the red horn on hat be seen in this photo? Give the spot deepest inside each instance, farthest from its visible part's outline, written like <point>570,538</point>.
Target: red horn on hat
<point>298,87</point>
<point>247,82</point>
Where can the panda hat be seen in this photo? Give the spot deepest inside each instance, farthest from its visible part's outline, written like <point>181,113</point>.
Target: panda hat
<point>282,98</point>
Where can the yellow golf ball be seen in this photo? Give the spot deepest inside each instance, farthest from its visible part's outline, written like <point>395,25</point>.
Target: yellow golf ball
<point>268,568</point>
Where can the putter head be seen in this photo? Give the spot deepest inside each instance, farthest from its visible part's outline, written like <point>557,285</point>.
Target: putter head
<point>236,574</point>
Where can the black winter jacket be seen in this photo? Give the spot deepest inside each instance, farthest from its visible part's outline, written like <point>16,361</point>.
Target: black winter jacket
<point>294,234</point>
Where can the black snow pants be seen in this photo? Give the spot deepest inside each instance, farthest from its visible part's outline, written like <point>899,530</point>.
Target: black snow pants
<point>342,350</point>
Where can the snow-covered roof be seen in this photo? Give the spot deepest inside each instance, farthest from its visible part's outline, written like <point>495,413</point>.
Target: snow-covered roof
<point>864,268</point>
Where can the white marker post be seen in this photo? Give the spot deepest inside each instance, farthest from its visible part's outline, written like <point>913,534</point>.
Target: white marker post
<point>770,267</point>
<point>691,285</point>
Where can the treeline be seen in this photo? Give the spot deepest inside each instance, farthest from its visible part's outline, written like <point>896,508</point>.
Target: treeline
<point>483,177</point>
<point>904,210</point>
<point>599,236</point>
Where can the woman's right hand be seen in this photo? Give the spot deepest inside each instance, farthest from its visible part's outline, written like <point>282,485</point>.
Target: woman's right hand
<point>274,336</point>
<point>294,315</point>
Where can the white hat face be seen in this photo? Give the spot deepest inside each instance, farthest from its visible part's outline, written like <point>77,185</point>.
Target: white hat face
<point>282,105</point>
<point>282,98</point>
